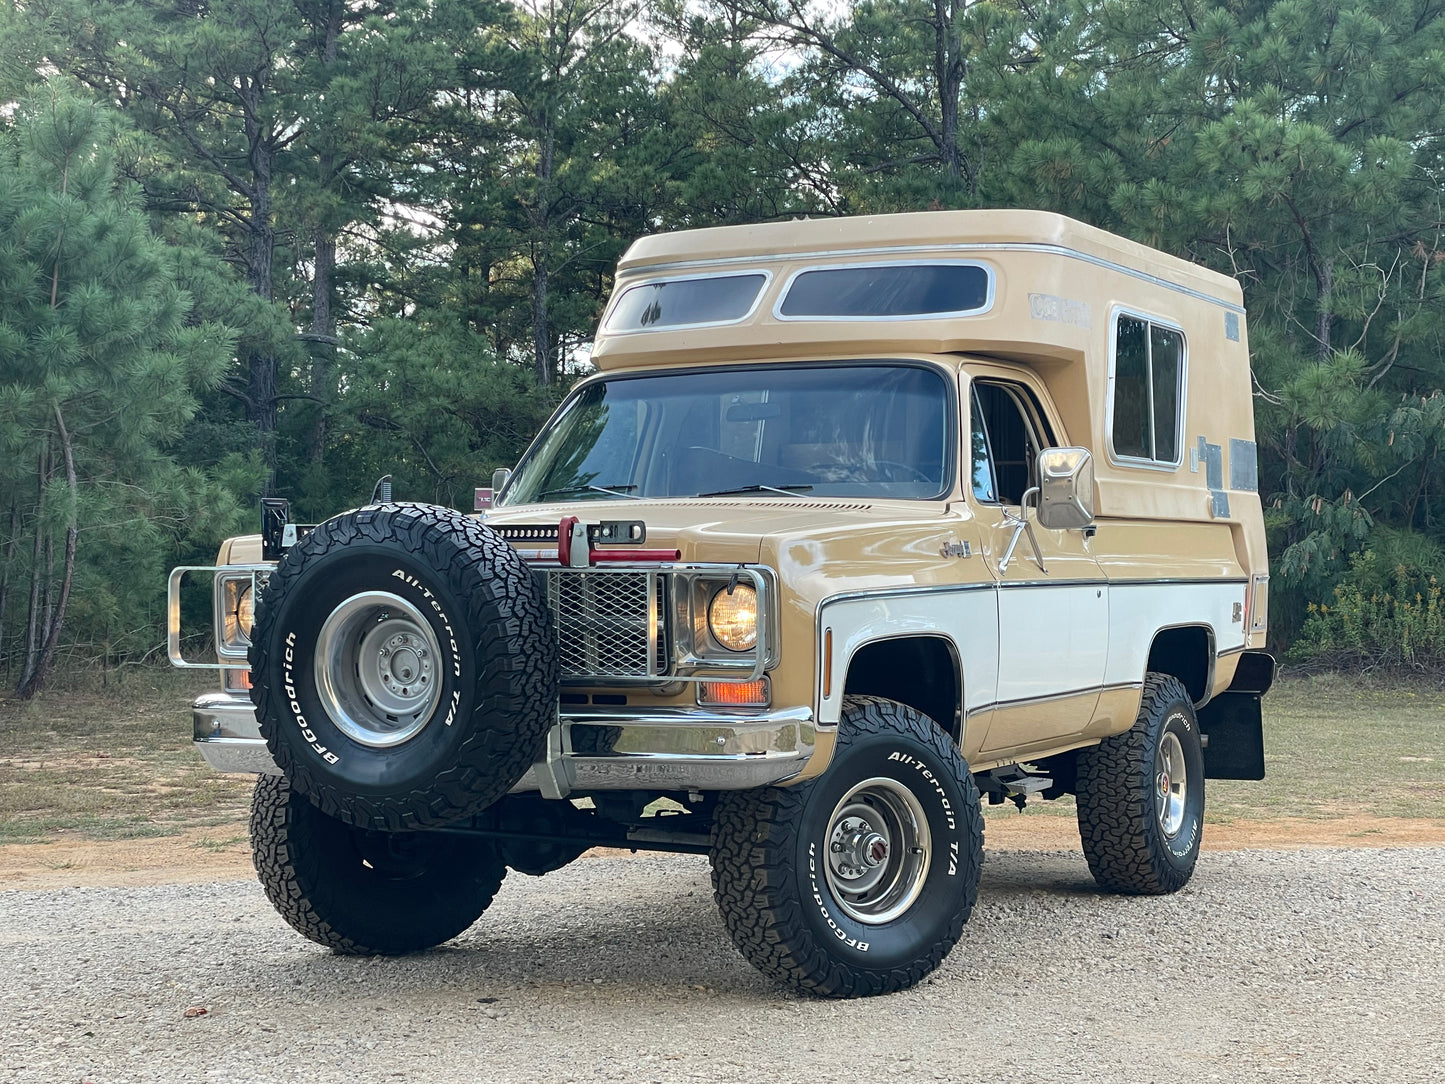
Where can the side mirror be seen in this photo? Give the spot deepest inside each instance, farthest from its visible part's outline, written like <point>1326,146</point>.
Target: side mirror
<point>1066,488</point>
<point>484,496</point>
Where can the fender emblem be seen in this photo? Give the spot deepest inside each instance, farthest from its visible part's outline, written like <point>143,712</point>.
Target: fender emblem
<point>956,549</point>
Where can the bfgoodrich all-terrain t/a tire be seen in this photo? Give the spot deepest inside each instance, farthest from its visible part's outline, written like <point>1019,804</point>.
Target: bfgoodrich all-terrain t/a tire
<point>857,882</point>
<point>1141,796</point>
<point>404,667</point>
<point>363,892</point>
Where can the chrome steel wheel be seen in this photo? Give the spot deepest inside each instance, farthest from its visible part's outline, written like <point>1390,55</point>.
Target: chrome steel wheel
<point>1171,784</point>
<point>879,850</point>
<point>376,669</point>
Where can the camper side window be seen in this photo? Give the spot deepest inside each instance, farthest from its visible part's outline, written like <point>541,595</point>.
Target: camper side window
<point>1148,383</point>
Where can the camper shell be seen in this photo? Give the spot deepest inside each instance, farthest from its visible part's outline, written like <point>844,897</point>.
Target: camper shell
<point>1056,289</point>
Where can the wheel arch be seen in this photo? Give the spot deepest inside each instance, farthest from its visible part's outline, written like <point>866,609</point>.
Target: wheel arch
<point>923,671</point>
<point>1186,652</point>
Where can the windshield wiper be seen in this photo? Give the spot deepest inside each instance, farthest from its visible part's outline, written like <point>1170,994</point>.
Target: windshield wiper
<point>611,491</point>
<point>787,489</point>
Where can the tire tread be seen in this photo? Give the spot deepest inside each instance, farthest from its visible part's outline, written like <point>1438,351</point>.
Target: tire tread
<point>1115,805</point>
<point>761,900</point>
<point>292,868</point>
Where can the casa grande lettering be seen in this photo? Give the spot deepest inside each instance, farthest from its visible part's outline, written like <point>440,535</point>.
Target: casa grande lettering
<point>289,680</point>
<point>851,942</point>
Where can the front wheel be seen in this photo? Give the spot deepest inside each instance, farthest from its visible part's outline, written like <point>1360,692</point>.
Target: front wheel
<point>1141,796</point>
<point>364,892</point>
<point>858,882</point>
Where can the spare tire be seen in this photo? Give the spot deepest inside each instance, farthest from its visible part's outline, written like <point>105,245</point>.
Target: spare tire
<point>404,666</point>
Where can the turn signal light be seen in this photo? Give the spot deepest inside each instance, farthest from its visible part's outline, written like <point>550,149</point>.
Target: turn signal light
<point>735,694</point>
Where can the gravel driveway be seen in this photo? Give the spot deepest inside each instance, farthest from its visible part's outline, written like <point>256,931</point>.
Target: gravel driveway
<point>1324,965</point>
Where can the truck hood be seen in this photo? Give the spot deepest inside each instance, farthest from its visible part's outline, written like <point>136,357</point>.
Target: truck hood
<point>799,535</point>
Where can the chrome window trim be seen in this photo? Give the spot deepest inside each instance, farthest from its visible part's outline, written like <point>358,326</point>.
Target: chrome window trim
<point>1181,410</point>
<point>787,287</point>
<point>1030,408</point>
<point>625,288</point>
<point>962,246</point>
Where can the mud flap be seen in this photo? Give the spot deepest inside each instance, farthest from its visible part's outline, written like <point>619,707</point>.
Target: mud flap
<point>1233,727</point>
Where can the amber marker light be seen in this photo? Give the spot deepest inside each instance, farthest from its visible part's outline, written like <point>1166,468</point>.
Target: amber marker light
<point>735,694</point>
<point>827,664</point>
<point>238,679</point>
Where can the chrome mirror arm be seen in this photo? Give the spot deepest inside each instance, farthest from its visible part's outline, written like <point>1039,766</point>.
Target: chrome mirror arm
<point>1021,525</point>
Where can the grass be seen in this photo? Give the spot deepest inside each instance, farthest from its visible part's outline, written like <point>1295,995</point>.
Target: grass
<point>113,759</point>
<point>1335,745</point>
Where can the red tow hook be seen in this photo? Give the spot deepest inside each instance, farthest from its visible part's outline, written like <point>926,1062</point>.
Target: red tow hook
<point>564,543</point>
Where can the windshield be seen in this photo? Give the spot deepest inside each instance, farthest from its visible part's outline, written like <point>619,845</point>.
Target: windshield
<point>860,430</point>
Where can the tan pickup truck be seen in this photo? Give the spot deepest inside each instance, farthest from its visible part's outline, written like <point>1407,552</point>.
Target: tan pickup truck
<point>859,521</point>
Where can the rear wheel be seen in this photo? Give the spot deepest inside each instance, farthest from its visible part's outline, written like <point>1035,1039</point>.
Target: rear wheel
<point>366,892</point>
<point>1141,796</point>
<point>858,882</point>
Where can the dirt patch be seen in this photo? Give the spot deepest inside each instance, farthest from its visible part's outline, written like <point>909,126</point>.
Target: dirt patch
<point>223,853</point>
<point>1051,833</point>
<point>208,854</point>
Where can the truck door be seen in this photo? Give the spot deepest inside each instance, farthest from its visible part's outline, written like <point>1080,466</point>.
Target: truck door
<point>1053,600</point>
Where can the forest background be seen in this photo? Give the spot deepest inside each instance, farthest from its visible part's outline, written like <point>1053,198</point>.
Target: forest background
<point>289,246</point>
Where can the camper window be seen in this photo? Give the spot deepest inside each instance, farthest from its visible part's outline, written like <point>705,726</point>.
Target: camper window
<point>1147,399</point>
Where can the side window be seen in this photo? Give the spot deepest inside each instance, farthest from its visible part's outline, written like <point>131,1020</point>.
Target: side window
<point>1007,433</point>
<point>700,302</point>
<point>1148,391</point>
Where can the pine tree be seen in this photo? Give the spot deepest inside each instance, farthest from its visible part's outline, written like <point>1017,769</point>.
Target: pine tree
<point>99,362</point>
<point>1297,146</point>
<point>551,165</point>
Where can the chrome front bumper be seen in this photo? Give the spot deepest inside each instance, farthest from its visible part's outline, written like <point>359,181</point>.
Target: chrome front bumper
<point>226,734</point>
<point>657,749</point>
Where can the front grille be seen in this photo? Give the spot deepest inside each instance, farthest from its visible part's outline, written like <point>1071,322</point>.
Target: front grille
<point>609,624</point>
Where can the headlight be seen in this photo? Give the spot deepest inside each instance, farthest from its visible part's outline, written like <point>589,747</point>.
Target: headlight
<point>732,617</point>
<point>238,612</point>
